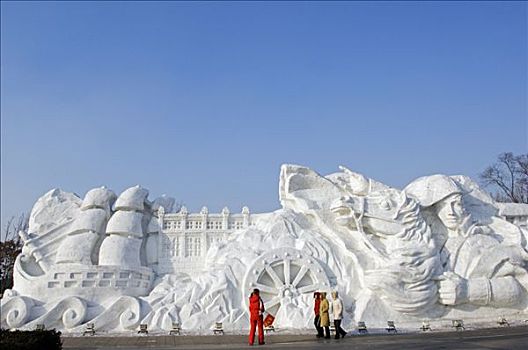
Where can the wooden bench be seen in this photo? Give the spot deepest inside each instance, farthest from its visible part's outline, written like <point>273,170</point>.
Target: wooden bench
<point>458,325</point>
<point>176,328</point>
<point>391,327</point>
<point>425,326</point>
<point>503,322</point>
<point>362,327</point>
<point>143,328</point>
<point>218,328</point>
<point>90,329</point>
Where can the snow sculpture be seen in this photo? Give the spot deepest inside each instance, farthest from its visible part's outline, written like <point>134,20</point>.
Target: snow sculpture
<point>484,261</point>
<point>69,273</point>
<point>153,229</point>
<point>87,228</point>
<point>438,249</point>
<point>390,225</point>
<point>122,247</point>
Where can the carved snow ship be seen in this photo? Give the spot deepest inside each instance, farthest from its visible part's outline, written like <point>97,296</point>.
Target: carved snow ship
<point>439,249</point>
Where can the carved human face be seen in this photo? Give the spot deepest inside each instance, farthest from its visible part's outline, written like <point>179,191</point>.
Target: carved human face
<point>450,211</point>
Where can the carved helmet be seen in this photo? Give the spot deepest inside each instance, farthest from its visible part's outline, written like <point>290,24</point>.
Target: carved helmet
<point>429,190</point>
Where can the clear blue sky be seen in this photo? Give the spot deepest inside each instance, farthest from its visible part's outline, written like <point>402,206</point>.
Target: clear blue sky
<point>205,101</point>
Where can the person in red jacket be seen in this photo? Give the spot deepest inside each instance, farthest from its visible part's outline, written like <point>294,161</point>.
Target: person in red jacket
<point>256,312</point>
<point>317,303</point>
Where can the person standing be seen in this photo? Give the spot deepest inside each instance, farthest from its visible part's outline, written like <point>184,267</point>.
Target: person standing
<point>256,312</point>
<point>317,304</point>
<point>337,311</point>
<point>324,317</point>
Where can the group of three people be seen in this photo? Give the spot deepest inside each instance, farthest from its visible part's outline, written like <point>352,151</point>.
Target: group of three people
<point>322,310</point>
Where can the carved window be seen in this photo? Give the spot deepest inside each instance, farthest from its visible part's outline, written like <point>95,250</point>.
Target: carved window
<point>197,247</point>
<point>173,246</point>
<point>188,246</point>
<point>194,225</point>
<point>176,246</point>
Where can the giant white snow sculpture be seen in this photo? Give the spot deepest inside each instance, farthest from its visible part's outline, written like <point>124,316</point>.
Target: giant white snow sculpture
<point>439,249</point>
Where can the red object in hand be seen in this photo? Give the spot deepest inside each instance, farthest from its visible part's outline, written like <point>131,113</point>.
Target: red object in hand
<point>268,321</point>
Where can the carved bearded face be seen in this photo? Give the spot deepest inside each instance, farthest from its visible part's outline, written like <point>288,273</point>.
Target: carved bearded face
<point>450,211</point>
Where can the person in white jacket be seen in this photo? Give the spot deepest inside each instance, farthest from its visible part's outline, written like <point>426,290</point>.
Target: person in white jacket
<point>337,312</point>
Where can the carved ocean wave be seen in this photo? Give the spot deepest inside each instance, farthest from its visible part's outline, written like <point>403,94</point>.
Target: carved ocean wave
<point>123,314</point>
<point>65,314</point>
<point>16,311</point>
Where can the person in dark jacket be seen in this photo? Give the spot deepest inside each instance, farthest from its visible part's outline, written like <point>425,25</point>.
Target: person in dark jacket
<point>317,319</point>
<point>256,312</point>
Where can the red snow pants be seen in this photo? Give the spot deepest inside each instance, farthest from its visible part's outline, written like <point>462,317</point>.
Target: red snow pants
<point>254,321</point>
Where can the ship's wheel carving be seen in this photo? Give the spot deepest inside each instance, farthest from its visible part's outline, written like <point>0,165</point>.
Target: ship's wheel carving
<point>284,274</point>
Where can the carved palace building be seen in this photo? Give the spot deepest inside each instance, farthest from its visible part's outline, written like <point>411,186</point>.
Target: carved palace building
<point>186,237</point>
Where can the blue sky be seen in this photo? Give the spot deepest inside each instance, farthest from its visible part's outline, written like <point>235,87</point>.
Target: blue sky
<point>204,101</point>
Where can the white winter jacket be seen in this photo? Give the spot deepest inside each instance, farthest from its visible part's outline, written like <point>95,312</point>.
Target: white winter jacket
<point>337,309</point>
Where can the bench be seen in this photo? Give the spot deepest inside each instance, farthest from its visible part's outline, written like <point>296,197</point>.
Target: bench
<point>362,327</point>
<point>391,327</point>
<point>40,327</point>
<point>458,325</point>
<point>218,328</point>
<point>176,328</point>
<point>90,329</point>
<point>268,329</point>
<point>503,322</point>
<point>143,328</point>
<point>425,326</point>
